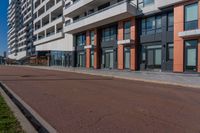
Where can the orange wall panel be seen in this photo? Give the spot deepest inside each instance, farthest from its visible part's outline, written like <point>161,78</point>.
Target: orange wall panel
<point>178,42</point>
<point>133,58</point>
<point>88,50</point>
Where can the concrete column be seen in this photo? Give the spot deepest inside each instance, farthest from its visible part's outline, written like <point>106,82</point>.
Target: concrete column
<point>178,42</point>
<point>88,50</point>
<point>50,18</point>
<point>55,27</point>
<point>120,47</point>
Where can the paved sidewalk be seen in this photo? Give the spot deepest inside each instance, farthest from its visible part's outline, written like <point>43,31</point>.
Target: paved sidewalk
<point>185,80</point>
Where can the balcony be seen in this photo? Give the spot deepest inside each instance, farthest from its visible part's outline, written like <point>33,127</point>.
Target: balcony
<point>49,38</point>
<point>113,13</point>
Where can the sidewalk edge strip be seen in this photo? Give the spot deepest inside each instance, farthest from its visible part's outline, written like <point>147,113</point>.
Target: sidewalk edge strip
<point>119,77</point>
<point>34,118</point>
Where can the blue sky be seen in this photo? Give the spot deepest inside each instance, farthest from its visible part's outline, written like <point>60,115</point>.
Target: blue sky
<point>3,25</point>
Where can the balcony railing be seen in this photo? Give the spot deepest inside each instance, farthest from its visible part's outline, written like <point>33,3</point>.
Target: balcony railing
<point>102,10</point>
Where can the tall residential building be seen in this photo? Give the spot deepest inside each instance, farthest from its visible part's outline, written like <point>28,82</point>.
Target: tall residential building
<point>158,35</point>
<point>48,31</point>
<point>20,34</point>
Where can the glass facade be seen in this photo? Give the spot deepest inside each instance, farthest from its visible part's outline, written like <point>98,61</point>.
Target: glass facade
<point>57,58</point>
<point>191,16</point>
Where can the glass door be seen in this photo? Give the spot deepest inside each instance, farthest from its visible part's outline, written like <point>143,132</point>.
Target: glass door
<point>92,59</point>
<point>191,55</point>
<point>154,56</point>
<point>109,59</point>
<point>127,58</point>
<point>81,59</point>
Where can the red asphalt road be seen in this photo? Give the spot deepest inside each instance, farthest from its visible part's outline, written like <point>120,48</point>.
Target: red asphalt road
<point>78,103</point>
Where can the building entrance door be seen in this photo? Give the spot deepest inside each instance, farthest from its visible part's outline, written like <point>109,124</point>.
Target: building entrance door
<point>154,56</point>
<point>191,55</point>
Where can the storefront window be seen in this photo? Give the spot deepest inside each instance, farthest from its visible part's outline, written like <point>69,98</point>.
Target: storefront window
<point>58,58</point>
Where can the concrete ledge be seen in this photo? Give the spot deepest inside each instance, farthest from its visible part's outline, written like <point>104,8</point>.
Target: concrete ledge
<point>35,119</point>
<point>190,33</point>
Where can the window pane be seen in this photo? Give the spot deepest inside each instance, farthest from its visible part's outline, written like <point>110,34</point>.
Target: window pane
<point>158,57</point>
<point>191,57</point>
<point>170,51</point>
<point>191,12</point>
<point>150,25</point>
<point>147,2</point>
<point>143,27</point>
<point>127,30</point>
<point>170,19</point>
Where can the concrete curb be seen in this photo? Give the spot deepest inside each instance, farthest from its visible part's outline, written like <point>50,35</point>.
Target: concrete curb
<point>40,125</point>
<point>114,76</point>
<point>26,125</point>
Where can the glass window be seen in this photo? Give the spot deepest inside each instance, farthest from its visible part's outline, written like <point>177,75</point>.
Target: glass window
<point>170,51</point>
<point>158,24</point>
<point>150,25</point>
<point>191,16</point>
<point>143,27</point>
<point>109,34</point>
<point>170,21</point>
<point>92,38</point>
<point>147,2</point>
<point>127,30</point>
<point>80,40</point>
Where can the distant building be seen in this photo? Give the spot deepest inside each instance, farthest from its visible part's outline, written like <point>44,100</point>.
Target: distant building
<point>20,29</point>
<point>2,60</point>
